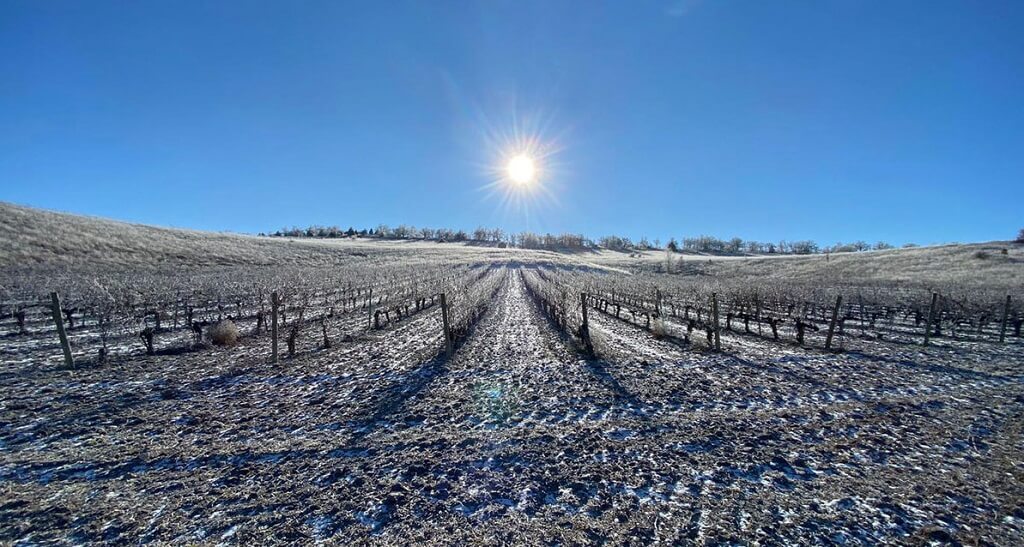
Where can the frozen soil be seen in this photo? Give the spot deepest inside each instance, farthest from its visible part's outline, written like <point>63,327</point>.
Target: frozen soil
<point>519,440</point>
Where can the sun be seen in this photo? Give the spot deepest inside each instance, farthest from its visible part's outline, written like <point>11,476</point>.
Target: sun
<point>521,169</point>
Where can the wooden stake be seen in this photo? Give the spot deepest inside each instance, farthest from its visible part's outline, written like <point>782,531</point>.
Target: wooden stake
<point>273,326</point>
<point>1006,317</point>
<point>447,327</point>
<point>832,324</point>
<point>931,314</point>
<point>714,308</point>
<point>583,301</point>
<point>588,346</point>
<point>369,316</point>
<point>59,321</point>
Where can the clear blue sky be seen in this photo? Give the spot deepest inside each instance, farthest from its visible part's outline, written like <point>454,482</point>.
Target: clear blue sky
<point>825,120</point>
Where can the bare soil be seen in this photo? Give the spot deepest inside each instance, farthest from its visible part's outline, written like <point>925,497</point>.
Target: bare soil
<point>517,439</point>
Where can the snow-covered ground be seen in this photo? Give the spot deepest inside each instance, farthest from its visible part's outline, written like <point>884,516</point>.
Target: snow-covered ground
<point>517,439</point>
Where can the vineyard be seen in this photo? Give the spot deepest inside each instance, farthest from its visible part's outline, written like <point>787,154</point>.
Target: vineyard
<point>478,399</point>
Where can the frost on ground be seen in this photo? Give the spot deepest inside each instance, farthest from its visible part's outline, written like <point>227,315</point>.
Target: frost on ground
<point>518,439</point>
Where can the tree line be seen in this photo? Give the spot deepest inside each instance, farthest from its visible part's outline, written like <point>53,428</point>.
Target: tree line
<point>528,240</point>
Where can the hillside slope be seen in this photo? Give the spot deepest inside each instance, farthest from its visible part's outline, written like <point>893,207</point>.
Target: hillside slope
<point>972,264</point>
<point>37,239</point>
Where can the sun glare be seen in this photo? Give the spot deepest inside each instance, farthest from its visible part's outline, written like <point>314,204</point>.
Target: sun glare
<point>521,164</point>
<point>521,169</point>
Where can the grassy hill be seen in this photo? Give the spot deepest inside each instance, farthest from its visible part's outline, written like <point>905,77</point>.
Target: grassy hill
<point>997,264</point>
<point>37,239</point>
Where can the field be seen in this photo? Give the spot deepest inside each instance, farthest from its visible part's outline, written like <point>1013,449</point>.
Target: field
<point>583,399</point>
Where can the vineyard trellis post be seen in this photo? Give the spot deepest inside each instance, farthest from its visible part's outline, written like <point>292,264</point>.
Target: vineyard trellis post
<point>59,322</point>
<point>273,325</point>
<point>714,309</point>
<point>447,326</point>
<point>931,315</point>
<point>832,324</point>
<point>585,327</point>
<point>1006,317</point>
<point>369,316</point>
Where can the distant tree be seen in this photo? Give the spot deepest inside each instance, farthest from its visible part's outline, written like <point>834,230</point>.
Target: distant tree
<point>842,248</point>
<point>909,245</point>
<point>1020,236</point>
<point>734,245</point>
<point>616,243</point>
<point>804,247</point>
<point>672,245</point>
<point>405,231</point>
<point>881,246</point>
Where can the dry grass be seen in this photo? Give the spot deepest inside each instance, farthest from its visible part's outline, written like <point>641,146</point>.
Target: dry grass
<point>224,333</point>
<point>36,239</point>
<point>974,265</point>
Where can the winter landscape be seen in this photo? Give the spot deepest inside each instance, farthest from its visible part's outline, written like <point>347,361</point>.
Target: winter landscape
<point>511,272</point>
<point>536,428</point>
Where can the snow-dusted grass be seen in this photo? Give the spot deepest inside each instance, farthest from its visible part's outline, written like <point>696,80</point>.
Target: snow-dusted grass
<point>517,439</point>
<point>976,265</point>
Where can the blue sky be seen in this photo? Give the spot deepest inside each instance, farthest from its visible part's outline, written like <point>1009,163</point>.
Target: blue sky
<point>826,120</point>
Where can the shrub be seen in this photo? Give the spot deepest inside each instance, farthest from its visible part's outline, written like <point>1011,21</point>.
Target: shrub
<point>224,333</point>
<point>982,255</point>
<point>658,328</point>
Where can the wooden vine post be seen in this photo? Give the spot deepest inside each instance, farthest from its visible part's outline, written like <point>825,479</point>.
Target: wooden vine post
<point>931,315</point>
<point>585,327</point>
<point>59,322</point>
<point>714,309</point>
<point>1006,317</point>
<point>369,316</point>
<point>447,326</point>
<point>832,324</point>
<point>273,326</point>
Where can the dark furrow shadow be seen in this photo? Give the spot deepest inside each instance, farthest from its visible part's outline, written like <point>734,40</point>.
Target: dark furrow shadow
<point>395,397</point>
<point>595,367</point>
<point>789,374</point>
<point>938,369</point>
<point>599,370</point>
